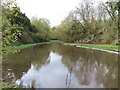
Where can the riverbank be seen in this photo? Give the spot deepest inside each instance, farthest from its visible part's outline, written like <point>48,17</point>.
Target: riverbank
<point>99,47</point>
<point>29,45</point>
<point>32,45</point>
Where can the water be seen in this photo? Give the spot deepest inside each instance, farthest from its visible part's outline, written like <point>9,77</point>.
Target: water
<point>58,66</point>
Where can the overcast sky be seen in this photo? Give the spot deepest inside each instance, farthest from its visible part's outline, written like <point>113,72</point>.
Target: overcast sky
<point>54,10</point>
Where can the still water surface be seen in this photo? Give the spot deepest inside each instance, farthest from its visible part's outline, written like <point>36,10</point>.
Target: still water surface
<point>58,66</point>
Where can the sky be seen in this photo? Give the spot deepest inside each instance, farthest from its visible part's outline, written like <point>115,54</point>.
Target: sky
<point>54,10</point>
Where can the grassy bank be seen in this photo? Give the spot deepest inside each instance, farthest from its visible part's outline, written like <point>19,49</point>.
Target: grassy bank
<point>34,44</point>
<point>14,49</point>
<point>29,45</point>
<point>92,46</point>
<point>96,46</point>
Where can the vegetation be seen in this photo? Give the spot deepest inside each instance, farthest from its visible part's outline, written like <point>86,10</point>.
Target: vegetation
<point>96,46</point>
<point>41,29</point>
<point>10,31</point>
<point>7,85</point>
<point>28,45</point>
<point>90,24</point>
<point>17,29</point>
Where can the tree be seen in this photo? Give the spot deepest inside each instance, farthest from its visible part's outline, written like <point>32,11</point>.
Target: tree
<point>118,8</point>
<point>112,22</point>
<point>90,23</point>
<point>42,32</point>
<point>10,31</point>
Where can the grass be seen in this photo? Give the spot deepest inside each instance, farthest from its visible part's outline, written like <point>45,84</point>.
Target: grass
<point>7,85</point>
<point>28,45</point>
<point>15,49</point>
<point>97,46</point>
<point>34,44</point>
<point>104,47</point>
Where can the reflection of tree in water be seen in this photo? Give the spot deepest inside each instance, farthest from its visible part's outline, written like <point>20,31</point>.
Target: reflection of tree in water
<point>21,62</point>
<point>91,71</point>
<point>40,55</point>
<point>89,66</point>
<point>17,63</point>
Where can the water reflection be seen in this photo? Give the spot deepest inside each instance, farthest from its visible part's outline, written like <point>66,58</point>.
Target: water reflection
<point>49,66</point>
<point>52,75</point>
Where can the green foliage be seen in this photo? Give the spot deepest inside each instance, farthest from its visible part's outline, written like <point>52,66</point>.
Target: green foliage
<point>89,24</point>
<point>17,28</point>
<point>7,85</point>
<point>10,31</point>
<point>41,30</point>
